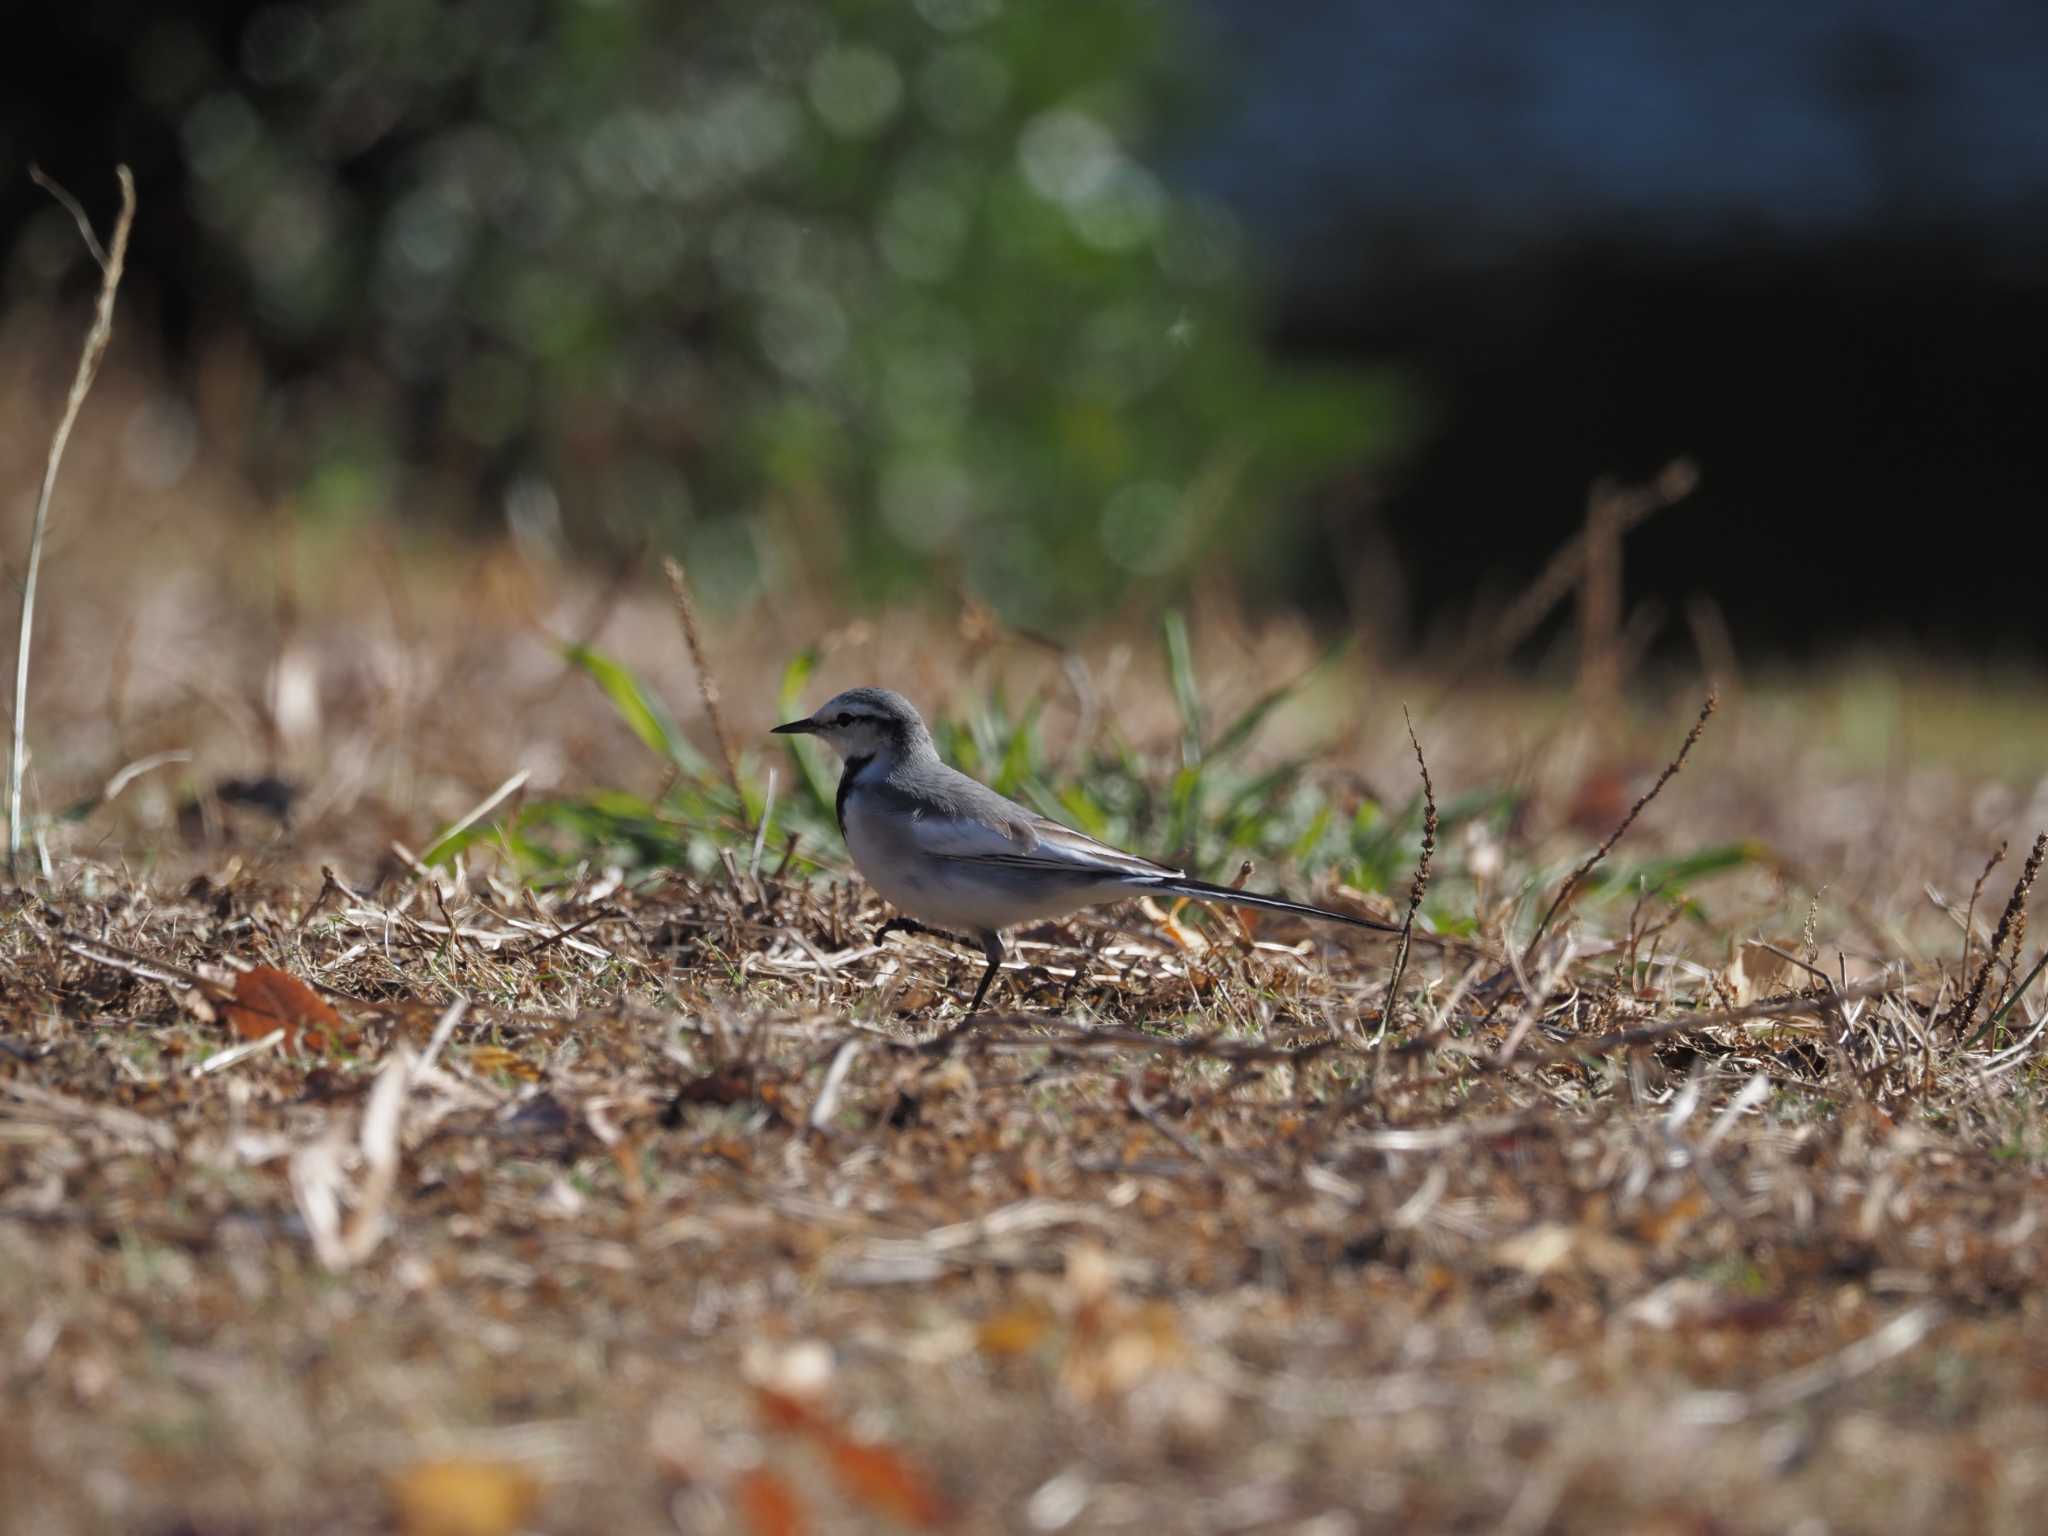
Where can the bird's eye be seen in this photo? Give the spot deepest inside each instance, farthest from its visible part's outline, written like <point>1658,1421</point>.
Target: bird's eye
<point>844,720</point>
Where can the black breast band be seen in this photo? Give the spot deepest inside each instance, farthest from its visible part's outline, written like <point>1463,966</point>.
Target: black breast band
<point>853,767</point>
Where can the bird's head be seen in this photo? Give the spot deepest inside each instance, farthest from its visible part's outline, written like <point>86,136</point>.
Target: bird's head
<point>864,722</point>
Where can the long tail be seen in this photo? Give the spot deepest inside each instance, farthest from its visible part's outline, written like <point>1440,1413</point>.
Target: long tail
<point>1202,890</point>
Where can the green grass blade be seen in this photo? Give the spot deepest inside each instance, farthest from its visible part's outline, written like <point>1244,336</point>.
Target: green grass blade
<point>1998,1014</point>
<point>1304,850</point>
<point>1073,805</point>
<point>1020,759</point>
<point>1667,875</point>
<point>641,711</point>
<point>795,677</point>
<point>1241,730</point>
<point>816,777</point>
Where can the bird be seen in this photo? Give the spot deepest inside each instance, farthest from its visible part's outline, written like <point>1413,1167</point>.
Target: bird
<point>959,861</point>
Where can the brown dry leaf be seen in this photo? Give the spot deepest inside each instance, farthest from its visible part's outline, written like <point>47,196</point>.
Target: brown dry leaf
<point>1015,1331</point>
<point>1662,1227</point>
<point>632,1180</point>
<point>495,1058</point>
<point>733,1151</point>
<point>787,1412</point>
<point>882,1481</point>
<point>267,999</point>
<point>729,1085</point>
<point>735,1085</point>
<point>767,1505</point>
<point>1602,798</point>
<point>462,1497</point>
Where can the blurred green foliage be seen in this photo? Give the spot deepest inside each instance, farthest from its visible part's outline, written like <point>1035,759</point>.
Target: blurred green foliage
<point>878,293</point>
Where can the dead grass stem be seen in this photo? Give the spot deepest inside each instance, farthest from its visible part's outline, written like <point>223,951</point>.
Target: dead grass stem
<point>2011,922</point>
<point>707,680</point>
<point>1623,508</point>
<point>1578,876</point>
<point>111,262</point>
<point>1417,887</point>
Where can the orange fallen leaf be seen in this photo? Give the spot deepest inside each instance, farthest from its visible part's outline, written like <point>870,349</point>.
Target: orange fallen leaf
<point>462,1497</point>
<point>1661,1227</point>
<point>632,1180</point>
<point>733,1151</point>
<point>768,1506</point>
<point>876,1477</point>
<point>495,1058</point>
<point>1016,1331</point>
<point>267,999</point>
<point>786,1412</point>
<point>882,1481</point>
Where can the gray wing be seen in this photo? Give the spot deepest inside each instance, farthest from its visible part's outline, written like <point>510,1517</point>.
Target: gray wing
<point>962,820</point>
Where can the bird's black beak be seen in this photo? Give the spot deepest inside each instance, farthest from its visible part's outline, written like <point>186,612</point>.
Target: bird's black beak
<point>796,728</point>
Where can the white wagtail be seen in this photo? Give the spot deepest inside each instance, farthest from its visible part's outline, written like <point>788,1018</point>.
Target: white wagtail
<point>954,857</point>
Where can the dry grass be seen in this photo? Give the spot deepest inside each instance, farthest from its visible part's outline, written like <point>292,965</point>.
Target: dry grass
<point>653,1201</point>
<point>1109,1255</point>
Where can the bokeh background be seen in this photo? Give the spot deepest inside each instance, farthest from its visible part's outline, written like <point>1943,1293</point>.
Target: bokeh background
<point>1072,307</point>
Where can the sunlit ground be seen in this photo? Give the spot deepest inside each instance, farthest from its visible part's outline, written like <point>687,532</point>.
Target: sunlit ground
<point>701,1216</point>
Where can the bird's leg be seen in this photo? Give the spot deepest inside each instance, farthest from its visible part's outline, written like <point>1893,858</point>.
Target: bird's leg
<point>993,948</point>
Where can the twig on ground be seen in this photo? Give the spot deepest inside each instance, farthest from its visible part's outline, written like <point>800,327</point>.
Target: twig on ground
<point>1808,1381</point>
<point>444,1028</point>
<point>1534,995</point>
<point>827,1104</point>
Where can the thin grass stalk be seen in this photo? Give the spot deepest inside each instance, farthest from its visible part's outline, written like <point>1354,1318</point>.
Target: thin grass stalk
<point>707,682</point>
<point>1976,893</point>
<point>1577,877</point>
<point>1521,617</point>
<point>111,262</point>
<point>2012,919</point>
<point>1416,887</point>
<point>1998,1014</point>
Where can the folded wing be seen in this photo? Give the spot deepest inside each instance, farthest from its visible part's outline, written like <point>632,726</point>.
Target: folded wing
<point>1028,842</point>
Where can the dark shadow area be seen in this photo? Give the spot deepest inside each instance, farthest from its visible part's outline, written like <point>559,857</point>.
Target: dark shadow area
<point>1867,419</point>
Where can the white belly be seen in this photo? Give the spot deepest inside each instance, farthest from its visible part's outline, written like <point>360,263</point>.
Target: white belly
<point>957,895</point>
